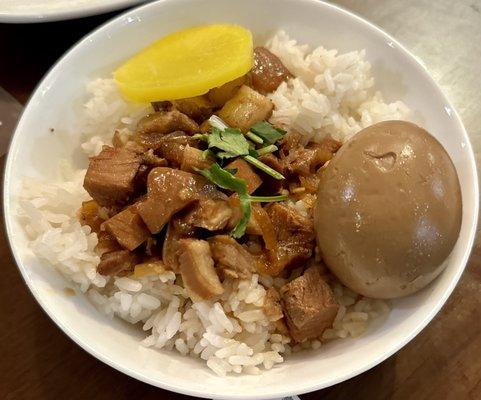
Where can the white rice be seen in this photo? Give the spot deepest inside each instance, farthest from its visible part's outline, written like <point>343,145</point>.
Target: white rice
<point>106,112</point>
<point>332,94</point>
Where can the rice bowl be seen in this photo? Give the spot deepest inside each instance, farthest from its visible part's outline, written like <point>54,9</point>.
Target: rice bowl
<point>148,302</point>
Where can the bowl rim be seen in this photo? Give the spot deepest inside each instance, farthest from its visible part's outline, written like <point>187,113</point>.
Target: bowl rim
<point>65,13</point>
<point>301,389</point>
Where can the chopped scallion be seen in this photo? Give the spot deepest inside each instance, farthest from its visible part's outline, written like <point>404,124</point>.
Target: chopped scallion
<point>267,132</point>
<point>200,136</point>
<point>256,139</point>
<point>266,150</point>
<point>263,167</point>
<point>218,123</point>
<point>268,199</point>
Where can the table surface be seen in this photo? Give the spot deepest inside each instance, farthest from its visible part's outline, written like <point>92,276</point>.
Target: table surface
<point>37,361</point>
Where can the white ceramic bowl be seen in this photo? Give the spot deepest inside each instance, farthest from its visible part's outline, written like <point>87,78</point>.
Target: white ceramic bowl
<point>36,151</point>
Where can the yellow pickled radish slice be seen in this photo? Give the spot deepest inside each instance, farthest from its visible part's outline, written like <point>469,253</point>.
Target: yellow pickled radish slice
<point>187,63</point>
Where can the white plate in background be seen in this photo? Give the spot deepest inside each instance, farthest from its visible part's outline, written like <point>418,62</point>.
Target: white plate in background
<point>25,11</point>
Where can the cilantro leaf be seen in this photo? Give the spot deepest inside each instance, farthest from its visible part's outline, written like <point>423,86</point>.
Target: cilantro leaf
<point>267,132</point>
<point>231,141</point>
<point>245,205</point>
<point>224,154</point>
<point>253,153</point>
<point>224,179</point>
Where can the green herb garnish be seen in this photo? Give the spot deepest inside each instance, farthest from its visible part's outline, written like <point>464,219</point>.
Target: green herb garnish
<point>225,142</point>
<point>240,228</point>
<point>226,180</point>
<point>230,141</point>
<point>267,132</point>
<point>264,167</point>
<point>256,139</point>
<point>200,136</point>
<point>268,199</point>
<point>266,150</point>
<point>215,121</point>
<point>253,153</point>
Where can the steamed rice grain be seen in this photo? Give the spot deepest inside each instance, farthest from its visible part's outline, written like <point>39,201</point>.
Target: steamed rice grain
<point>332,93</point>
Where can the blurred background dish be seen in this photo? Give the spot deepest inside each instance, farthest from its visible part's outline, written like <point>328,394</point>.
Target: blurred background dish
<point>28,11</point>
